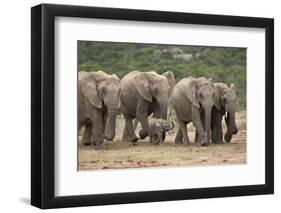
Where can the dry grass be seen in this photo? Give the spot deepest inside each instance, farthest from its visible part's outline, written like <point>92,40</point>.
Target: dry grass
<point>126,155</point>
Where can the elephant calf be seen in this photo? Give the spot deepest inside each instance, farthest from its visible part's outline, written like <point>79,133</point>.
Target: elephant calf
<point>157,129</point>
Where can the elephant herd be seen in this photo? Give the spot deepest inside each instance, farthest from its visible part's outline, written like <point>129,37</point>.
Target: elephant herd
<point>141,94</point>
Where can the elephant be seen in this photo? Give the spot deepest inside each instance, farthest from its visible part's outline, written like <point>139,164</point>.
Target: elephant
<point>193,100</point>
<point>143,93</point>
<point>227,99</point>
<point>157,129</point>
<point>172,82</point>
<point>99,102</point>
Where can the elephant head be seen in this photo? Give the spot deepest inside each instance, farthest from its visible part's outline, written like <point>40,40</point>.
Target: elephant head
<point>154,88</point>
<point>166,125</point>
<point>227,97</point>
<point>102,91</point>
<point>201,94</point>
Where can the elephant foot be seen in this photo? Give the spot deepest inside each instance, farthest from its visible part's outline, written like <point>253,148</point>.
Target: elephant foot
<point>100,147</point>
<point>227,137</point>
<point>155,142</point>
<point>219,142</point>
<point>134,139</point>
<point>203,141</point>
<point>143,134</point>
<point>86,143</point>
<point>215,141</point>
<point>128,138</point>
<point>178,139</point>
<point>186,142</point>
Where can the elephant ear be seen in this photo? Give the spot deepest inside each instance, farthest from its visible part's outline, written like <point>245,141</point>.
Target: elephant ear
<point>143,87</point>
<point>82,75</point>
<point>115,76</point>
<point>88,87</point>
<point>171,78</point>
<point>191,93</point>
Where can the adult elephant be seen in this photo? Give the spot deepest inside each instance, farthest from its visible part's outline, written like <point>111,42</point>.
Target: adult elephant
<point>99,102</point>
<point>143,93</point>
<point>227,100</point>
<point>172,82</point>
<point>193,99</point>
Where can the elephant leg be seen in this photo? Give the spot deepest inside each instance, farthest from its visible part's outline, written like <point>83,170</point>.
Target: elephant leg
<point>160,137</point>
<point>142,117</point>
<point>129,133</point>
<point>135,125</point>
<point>126,136</point>
<point>183,129</point>
<point>202,116</point>
<point>151,139</point>
<point>178,139</point>
<point>86,140</point>
<point>196,119</point>
<point>216,127</point>
<point>97,131</point>
<point>196,140</point>
<point>154,139</point>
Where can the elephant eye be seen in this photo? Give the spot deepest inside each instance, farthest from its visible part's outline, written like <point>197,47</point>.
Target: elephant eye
<point>155,89</point>
<point>102,91</point>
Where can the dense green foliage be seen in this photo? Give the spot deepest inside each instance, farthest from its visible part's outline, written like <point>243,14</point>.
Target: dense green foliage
<point>226,65</point>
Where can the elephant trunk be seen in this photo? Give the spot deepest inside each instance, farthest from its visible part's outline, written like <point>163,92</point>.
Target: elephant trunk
<point>163,103</point>
<point>112,110</point>
<point>231,126</point>
<point>109,132</point>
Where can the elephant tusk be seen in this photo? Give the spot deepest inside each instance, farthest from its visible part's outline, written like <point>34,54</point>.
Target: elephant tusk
<point>237,115</point>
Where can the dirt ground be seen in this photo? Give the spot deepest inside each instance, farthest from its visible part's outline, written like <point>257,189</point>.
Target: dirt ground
<point>126,155</point>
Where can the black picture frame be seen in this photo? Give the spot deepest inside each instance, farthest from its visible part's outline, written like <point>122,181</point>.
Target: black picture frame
<point>43,105</point>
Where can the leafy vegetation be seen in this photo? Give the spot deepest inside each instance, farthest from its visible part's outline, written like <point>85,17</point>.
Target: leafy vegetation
<point>222,64</point>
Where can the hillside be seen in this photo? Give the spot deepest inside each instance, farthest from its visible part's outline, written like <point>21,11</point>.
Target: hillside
<point>226,65</point>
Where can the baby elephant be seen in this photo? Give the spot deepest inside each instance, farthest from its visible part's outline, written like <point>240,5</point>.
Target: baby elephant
<point>157,129</point>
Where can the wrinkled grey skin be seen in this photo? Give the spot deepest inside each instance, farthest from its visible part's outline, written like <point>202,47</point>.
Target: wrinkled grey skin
<point>227,97</point>
<point>99,102</point>
<point>172,82</point>
<point>193,100</point>
<point>171,79</point>
<point>157,129</point>
<point>143,93</point>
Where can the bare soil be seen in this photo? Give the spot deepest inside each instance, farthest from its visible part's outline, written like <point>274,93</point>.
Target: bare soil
<point>143,154</point>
